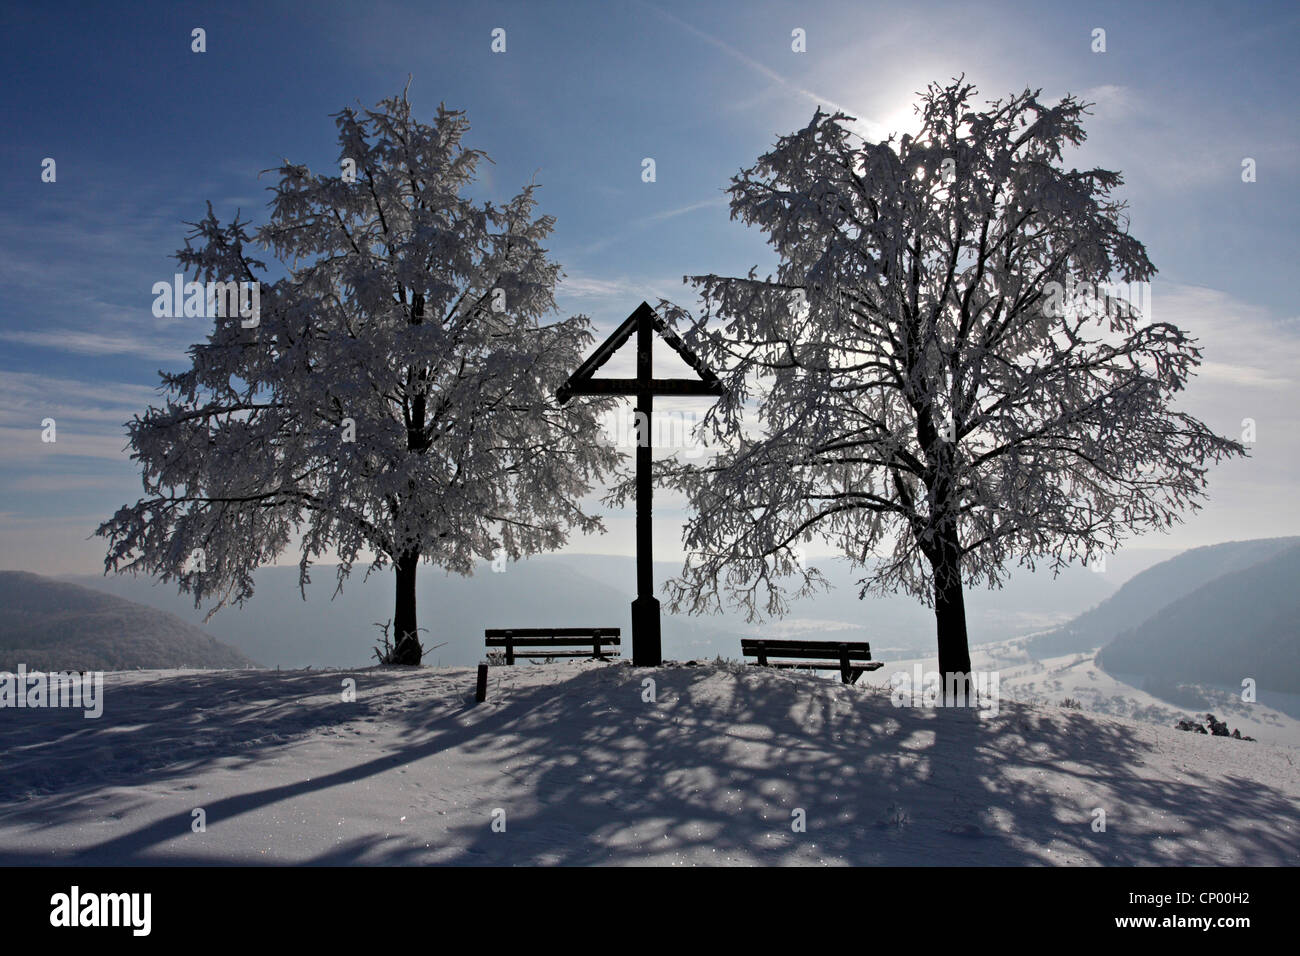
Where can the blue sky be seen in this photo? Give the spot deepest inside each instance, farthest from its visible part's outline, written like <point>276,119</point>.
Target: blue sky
<point>144,131</point>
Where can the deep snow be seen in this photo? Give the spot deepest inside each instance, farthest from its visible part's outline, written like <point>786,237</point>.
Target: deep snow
<point>586,771</point>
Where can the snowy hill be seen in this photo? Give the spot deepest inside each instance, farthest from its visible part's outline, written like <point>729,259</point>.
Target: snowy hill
<point>45,623</point>
<point>579,768</point>
<point>1244,624</point>
<point>1155,588</point>
<point>1274,717</point>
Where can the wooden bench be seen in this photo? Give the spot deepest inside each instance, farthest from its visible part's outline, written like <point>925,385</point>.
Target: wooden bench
<point>599,642</point>
<point>851,659</point>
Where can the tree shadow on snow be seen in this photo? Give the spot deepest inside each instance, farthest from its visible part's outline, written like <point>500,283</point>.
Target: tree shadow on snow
<point>722,766</point>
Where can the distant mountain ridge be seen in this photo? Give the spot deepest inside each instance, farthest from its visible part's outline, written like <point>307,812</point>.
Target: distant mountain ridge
<point>48,624</point>
<point>1244,624</point>
<point>278,628</point>
<point>1147,593</point>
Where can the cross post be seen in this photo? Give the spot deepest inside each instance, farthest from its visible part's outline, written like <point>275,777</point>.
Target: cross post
<point>647,646</point>
<point>647,649</point>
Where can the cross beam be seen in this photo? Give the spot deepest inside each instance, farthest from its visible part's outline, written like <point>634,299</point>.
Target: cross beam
<point>658,386</point>
<point>647,648</point>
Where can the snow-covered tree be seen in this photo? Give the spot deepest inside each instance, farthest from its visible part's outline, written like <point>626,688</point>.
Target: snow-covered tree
<point>393,400</point>
<point>943,385</point>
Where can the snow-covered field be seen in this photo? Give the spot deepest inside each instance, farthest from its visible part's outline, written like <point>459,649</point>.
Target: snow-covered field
<point>581,768</point>
<point>1077,677</point>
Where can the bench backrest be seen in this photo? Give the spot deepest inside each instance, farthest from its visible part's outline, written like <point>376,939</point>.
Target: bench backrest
<point>807,650</point>
<point>538,636</point>
<point>601,642</point>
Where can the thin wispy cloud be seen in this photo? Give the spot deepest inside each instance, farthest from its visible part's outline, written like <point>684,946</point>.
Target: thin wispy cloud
<point>23,447</point>
<point>1111,100</point>
<point>630,229</point>
<point>591,287</point>
<point>1244,347</point>
<point>51,484</point>
<point>74,397</point>
<point>867,126</point>
<point>97,343</point>
<point>89,417</point>
<point>692,207</point>
<point>1244,375</point>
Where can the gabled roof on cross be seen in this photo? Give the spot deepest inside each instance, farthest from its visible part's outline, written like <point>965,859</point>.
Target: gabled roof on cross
<point>582,383</point>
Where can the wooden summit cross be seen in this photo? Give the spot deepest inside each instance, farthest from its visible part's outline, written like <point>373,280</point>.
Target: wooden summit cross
<point>646,645</point>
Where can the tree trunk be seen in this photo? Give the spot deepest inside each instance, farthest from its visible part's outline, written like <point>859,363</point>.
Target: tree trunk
<point>406,639</point>
<point>950,619</point>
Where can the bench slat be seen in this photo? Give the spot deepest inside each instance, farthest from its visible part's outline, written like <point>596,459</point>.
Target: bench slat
<point>550,641</point>
<point>526,655</point>
<point>552,632</point>
<point>816,654</point>
<point>814,666</point>
<point>772,644</point>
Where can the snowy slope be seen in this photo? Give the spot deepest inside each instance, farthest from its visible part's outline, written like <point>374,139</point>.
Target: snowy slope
<point>586,771</point>
<point>45,623</point>
<point>1273,718</point>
